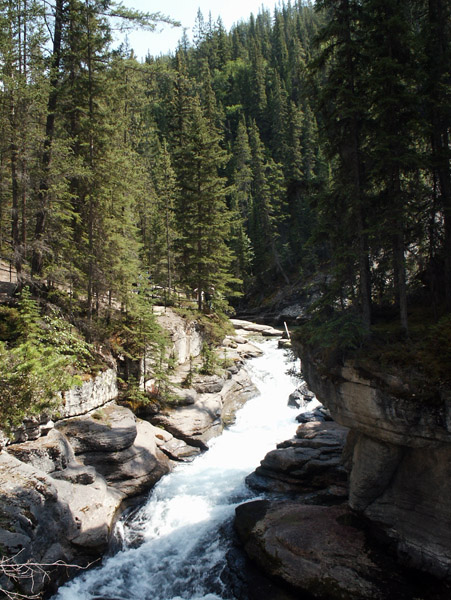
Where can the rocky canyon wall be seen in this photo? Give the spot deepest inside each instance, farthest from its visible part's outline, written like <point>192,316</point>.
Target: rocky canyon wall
<point>399,451</point>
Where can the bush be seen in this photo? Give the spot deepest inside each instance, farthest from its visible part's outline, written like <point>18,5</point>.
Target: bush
<point>32,371</point>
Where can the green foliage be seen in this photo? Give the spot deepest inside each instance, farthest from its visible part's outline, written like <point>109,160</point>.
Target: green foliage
<point>66,340</point>
<point>334,337</point>
<point>32,371</point>
<point>188,381</point>
<point>417,360</point>
<point>215,327</point>
<point>9,323</point>
<point>209,360</point>
<point>134,393</point>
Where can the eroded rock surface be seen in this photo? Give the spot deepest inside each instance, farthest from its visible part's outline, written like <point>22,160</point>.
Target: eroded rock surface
<point>311,548</point>
<point>47,520</point>
<point>310,462</point>
<point>400,460</point>
<point>325,553</point>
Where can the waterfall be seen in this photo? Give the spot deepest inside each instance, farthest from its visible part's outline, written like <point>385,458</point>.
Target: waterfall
<point>174,547</point>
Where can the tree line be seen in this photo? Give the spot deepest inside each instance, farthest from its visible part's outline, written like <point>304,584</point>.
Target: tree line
<point>305,139</point>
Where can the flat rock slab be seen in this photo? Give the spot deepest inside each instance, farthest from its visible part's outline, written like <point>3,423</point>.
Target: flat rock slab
<point>249,327</point>
<point>110,429</point>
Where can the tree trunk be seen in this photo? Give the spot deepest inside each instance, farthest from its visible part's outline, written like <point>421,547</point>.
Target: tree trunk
<point>439,50</point>
<point>52,103</point>
<point>399,265</point>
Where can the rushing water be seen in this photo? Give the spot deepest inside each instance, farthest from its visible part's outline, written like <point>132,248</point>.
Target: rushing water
<point>173,546</point>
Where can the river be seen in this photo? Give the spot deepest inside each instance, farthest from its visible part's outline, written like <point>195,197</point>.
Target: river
<point>174,547</point>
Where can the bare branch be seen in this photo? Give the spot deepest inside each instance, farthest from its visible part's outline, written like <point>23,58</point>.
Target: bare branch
<point>27,571</point>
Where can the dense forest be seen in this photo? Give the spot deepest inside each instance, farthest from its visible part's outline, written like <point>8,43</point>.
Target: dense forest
<point>311,139</point>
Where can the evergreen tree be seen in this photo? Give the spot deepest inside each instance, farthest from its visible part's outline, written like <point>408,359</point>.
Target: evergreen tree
<point>343,102</point>
<point>436,34</point>
<point>240,204</point>
<point>393,101</point>
<point>265,212</point>
<point>202,219</point>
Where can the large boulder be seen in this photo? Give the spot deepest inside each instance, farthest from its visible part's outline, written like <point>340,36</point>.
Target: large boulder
<point>132,470</point>
<point>310,462</point>
<point>310,548</point>
<point>110,429</point>
<point>46,520</point>
<point>194,424</point>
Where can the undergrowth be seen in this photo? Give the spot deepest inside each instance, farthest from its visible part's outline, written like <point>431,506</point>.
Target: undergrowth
<point>422,359</point>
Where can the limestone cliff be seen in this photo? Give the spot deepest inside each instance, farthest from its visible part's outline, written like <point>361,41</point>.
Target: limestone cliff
<point>400,465</point>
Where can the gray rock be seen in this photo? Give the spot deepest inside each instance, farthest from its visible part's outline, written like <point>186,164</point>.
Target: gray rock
<point>208,384</point>
<point>414,509</point>
<point>184,397</point>
<point>373,466</point>
<point>197,423</point>
<point>250,327</point>
<point>76,473</point>
<point>318,414</point>
<point>378,407</point>
<point>399,459</point>
<point>50,453</point>
<point>93,393</point>
<point>132,470</point>
<point>305,464</point>
<point>110,429</point>
<point>310,548</point>
<point>296,399</point>
<point>193,424</point>
<point>186,336</point>
<point>238,390</point>
<point>179,450</point>
<point>47,520</point>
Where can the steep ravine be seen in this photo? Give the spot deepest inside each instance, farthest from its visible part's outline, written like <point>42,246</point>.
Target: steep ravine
<point>65,482</point>
<point>397,455</point>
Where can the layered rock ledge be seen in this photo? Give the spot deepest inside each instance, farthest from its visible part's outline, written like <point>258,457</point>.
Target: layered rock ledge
<point>400,459</point>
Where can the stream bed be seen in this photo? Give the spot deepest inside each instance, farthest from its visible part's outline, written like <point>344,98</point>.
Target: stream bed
<point>174,547</point>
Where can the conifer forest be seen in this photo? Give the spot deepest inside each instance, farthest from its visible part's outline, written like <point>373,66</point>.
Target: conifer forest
<point>309,143</point>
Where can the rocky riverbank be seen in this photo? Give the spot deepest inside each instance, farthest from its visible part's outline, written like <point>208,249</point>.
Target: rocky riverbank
<point>65,481</point>
<point>358,507</point>
<point>400,468</point>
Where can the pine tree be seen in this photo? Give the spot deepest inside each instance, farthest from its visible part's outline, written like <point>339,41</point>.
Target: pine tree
<point>393,99</point>
<point>202,218</point>
<point>265,213</point>
<point>437,41</point>
<point>343,103</point>
<point>240,204</point>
